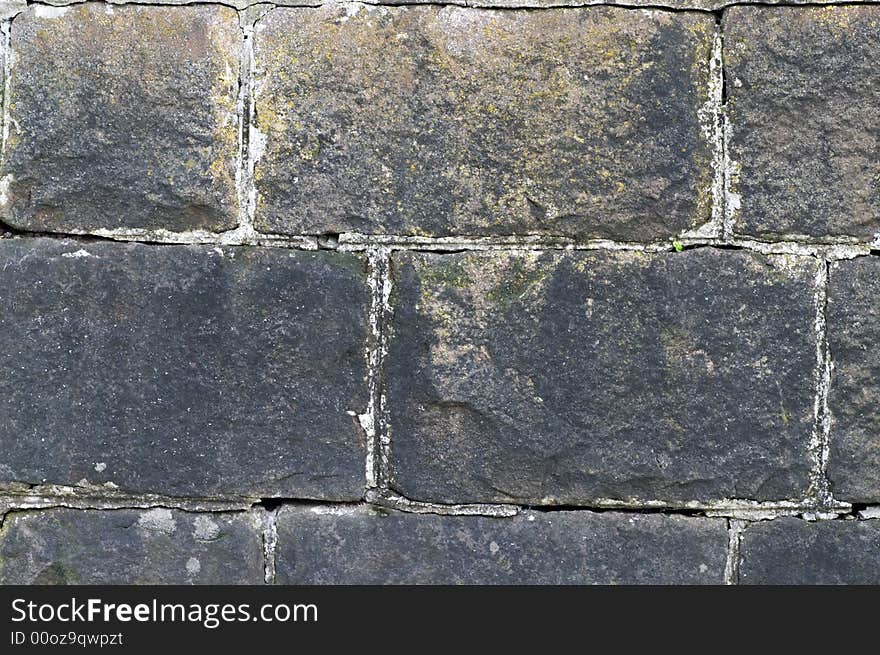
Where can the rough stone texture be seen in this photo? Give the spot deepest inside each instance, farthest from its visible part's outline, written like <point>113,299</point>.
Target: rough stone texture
<point>854,399</point>
<point>156,546</point>
<point>359,547</point>
<point>792,551</point>
<point>563,378</point>
<point>436,121</point>
<point>802,102</point>
<point>123,117</point>
<point>13,6</point>
<point>187,371</point>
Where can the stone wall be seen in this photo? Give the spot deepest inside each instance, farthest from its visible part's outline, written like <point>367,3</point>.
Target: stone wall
<point>511,292</point>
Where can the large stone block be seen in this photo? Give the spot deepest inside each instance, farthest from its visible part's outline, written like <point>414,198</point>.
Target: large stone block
<point>155,546</point>
<point>791,551</point>
<point>437,121</point>
<point>566,378</point>
<point>317,546</point>
<point>182,370</point>
<point>122,117</point>
<point>802,99</point>
<point>854,396</point>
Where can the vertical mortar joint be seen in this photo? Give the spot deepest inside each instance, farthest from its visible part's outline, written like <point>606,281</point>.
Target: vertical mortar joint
<point>820,486</point>
<point>735,528</point>
<point>250,140</point>
<point>711,120</point>
<point>270,542</point>
<point>373,421</point>
<point>6,35</point>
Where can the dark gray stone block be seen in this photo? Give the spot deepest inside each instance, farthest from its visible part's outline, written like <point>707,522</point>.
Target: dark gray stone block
<point>123,117</point>
<point>792,551</point>
<point>155,546</point>
<point>802,103</point>
<point>357,546</point>
<point>565,378</point>
<point>182,370</point>
<point>854,397</point>
<point>444,120</point>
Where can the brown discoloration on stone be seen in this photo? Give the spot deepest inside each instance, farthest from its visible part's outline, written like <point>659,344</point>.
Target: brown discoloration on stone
<point>123,117</point>
<point>563,378</point>
<point>424,120</point>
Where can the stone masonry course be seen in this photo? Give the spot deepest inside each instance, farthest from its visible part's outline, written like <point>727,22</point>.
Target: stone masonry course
<point>492,292</point>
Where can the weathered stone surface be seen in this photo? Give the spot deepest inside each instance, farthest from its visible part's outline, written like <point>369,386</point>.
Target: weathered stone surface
<point>673,4</point>
<point>793,551</point>
<point>155,546</point>
<point>187,371</point>
<point>14,5</point>
<point>11,8</point>
<point>563,378</point>
<point>803,102</point>
<point>704,5</point>
<point>123,117</point>
<point>360,547</point>
<point>854,398</point>
<point>437,121</point>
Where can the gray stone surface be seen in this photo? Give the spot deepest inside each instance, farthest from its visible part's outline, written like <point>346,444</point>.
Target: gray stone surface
<point>182,370</point>
<point>792,551</point>
<point>155,546</point>
<point>123,117</point>
<point>563,378</point>
<point>854,397</point>
<point>802,103</point>
<point>437,121</point>
<point>361,547</point>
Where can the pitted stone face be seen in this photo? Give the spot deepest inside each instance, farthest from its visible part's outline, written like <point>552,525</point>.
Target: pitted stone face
<point>853,334</point>
<point>789,551</point>
<point>803,134</point>
<point>123,117</point>
<point>571,378</point>
<point>363,547</point>
<point>185,370</point>
<point>126,546</point>
<point>438,121</point>
<point>535,296</point>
